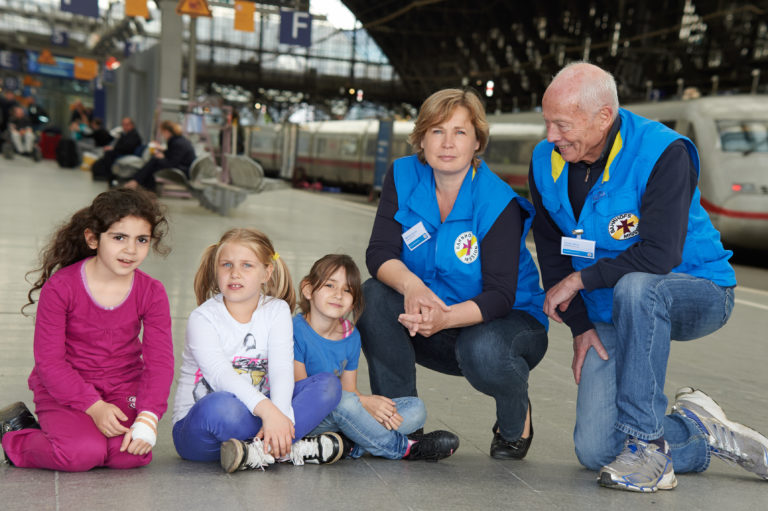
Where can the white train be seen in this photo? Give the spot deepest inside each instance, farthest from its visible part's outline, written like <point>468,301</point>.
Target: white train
<point>731,133</point>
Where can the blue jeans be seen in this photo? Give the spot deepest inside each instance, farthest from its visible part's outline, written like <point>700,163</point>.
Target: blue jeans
<point>625,394</point>
<point>367,433</point>
<point>495,357</point>
<point>220,416</point>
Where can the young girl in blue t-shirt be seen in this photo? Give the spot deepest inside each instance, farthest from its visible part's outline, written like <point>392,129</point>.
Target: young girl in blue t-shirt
<point>325,341</point>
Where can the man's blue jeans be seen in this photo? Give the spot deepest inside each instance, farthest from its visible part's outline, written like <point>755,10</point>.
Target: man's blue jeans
<point>367,433</point>
<point>625,394</point>
<point>495,357</point>
<point>220,416</point>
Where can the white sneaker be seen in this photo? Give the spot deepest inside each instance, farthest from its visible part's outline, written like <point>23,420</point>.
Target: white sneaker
<point>324,448</point>
<point>244,455</point>
<point>641,467</point>
<point>728,440</point>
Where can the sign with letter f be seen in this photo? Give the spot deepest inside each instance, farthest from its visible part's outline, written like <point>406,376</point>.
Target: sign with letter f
<point>295,28</point>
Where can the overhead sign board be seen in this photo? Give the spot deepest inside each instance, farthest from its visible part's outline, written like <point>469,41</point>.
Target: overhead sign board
<point>81,7</point>
<point>295,28</point>
<point>194,8</point>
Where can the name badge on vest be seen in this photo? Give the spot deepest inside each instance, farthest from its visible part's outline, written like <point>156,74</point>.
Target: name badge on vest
<point>577,247</point>
<point>415,236</point>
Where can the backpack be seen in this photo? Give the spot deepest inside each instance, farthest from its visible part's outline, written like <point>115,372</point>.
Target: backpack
<point>67,155</point>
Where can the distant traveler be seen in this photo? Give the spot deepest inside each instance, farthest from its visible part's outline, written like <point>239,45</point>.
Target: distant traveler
<point>21,133</point>
<point>631,260</point>
<point>179,154</point>
<point>454,288</point>
<point>127,144</point>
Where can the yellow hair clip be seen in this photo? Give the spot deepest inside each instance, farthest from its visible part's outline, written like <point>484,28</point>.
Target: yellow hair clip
<point>275,256</point>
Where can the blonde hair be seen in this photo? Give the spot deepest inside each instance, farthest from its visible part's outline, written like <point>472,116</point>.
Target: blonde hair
<point>320,273</point>
<point>440,106</point>
<point>279,285</point>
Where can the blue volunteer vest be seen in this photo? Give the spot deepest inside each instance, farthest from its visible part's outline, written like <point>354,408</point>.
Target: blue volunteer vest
<point>449,262</point>
<point>611,212</point>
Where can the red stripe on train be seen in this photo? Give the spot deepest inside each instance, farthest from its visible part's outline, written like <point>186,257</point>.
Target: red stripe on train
<point>712,208</point>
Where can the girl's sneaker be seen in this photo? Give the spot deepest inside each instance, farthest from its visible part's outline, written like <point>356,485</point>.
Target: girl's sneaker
<point>325,448</point>
<point>244,455</point>
<point>432,446</point>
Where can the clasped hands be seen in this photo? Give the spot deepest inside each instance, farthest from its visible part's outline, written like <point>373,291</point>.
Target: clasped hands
<point>425,313</point>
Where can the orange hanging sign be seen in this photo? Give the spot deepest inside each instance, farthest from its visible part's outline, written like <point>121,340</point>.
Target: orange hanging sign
<point>194,8</point>
<point>244,12</point>
<point>136,8</point>
<point>46,57</point>
<point>86,69</point>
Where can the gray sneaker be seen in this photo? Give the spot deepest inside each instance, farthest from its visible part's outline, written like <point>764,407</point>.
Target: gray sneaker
<point>641,467</point>
<point>728,440</point>
<point>244,455</point>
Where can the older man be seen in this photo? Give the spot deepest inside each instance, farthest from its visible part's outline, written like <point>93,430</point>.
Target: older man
<point>631,260</point>
<point>126,144</point>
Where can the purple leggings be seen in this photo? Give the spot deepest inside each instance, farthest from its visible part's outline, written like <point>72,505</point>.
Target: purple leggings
<point>220,416</point>
<point>69,441</point>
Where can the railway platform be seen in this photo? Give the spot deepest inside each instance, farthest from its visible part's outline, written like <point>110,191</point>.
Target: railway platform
<point>729,365</point>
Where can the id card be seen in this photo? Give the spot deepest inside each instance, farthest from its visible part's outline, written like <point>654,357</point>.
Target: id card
<point>415,236</point>
<point>577,247</point>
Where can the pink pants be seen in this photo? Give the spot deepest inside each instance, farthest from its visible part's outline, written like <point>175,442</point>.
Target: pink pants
<point>69,441</point>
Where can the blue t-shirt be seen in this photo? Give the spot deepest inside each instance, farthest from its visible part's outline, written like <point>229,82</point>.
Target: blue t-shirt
<point>321,355</point>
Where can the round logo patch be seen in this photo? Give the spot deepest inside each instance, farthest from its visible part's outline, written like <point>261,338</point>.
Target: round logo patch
<point>623,227</point>
<point>466,247</point>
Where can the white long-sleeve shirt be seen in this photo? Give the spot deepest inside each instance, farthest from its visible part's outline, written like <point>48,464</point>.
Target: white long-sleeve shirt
<point>249,360</point>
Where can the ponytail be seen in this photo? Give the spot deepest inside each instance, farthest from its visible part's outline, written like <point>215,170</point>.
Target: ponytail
<point>281,284</point>
<point>205,278</point>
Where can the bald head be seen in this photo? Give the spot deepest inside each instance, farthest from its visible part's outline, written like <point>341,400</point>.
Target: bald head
<point>579,108</point>
<point>589,87</point>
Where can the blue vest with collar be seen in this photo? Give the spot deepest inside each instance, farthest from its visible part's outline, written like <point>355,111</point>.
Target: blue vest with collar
<point>449,262</point>
<point>611,212</point>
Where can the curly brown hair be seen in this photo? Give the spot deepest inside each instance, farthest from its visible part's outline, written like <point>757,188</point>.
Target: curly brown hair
<point>68,245</point>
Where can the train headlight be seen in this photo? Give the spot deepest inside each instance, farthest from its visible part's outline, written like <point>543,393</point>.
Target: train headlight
<point>744,187</point>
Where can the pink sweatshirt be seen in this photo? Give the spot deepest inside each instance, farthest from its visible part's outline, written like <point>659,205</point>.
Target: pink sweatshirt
<point>85,352</point>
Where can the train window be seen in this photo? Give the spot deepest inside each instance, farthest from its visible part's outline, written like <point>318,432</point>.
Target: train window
<point>303,144</point>
<point>744,136</point>
<point>671,124</point>
<point>348,147</point>
<point>320,145</point>
<point>509,151</point>
<point>370,146</point>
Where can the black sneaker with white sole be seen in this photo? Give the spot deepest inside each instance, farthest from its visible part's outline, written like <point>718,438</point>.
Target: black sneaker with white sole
<point>432,446</point>
<point>16,417</point>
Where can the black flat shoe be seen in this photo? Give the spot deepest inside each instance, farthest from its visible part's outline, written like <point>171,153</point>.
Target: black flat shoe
<point>503,449</point>
<point>16,417</point>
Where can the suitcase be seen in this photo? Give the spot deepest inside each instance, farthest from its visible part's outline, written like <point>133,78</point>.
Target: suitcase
<point>48,143</point>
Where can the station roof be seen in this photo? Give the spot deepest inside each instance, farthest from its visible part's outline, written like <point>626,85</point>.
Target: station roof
<point>653,47</point>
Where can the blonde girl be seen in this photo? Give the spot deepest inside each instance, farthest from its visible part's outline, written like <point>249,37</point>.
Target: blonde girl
<point>236,401</point>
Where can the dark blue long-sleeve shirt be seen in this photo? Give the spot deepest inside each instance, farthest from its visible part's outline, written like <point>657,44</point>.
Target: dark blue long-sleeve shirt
<point>664,211</point>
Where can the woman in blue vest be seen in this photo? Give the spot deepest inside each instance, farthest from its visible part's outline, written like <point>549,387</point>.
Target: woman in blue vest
<point>454,287</point>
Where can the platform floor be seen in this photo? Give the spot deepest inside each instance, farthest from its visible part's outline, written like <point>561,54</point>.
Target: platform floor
<point>730,365</point>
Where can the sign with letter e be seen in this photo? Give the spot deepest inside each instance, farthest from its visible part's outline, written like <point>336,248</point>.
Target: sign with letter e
<point>295,28</point>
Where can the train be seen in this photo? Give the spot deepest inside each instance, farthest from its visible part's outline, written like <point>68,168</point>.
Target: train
<point>730,132</point>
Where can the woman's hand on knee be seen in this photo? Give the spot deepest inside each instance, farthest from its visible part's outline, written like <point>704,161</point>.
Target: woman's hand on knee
<point>581,345</point>
<point>107,418</point>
